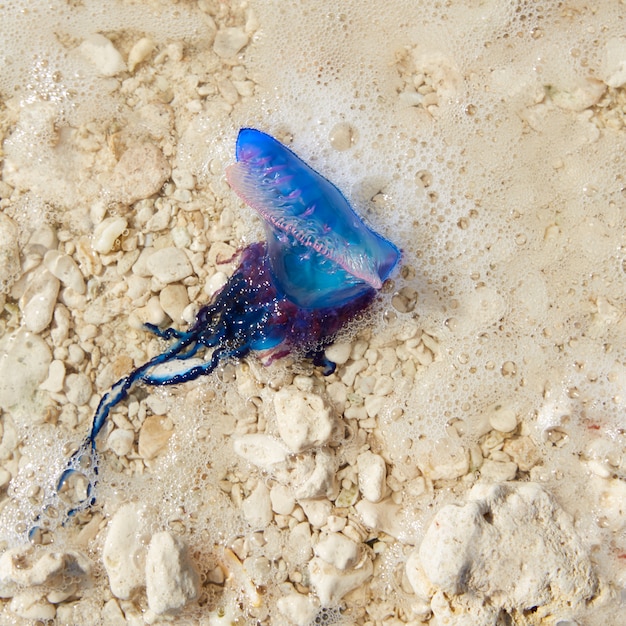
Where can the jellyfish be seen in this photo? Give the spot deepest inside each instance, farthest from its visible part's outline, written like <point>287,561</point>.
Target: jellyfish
<point>319,268</point>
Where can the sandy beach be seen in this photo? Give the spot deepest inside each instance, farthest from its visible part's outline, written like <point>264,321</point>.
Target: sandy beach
<point>465,464</point>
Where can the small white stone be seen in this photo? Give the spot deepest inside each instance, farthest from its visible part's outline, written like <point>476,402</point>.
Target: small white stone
<point>385,516</point>
<point>173,300</point>
<point>140,173</point>
<point>107,232</point>
<point>121,441</point>
<point>169,265</point>
<point>372,474</point>
<point>112,614</point>
<point>298,608</point>
<point>39,299</point>
<point>153,436</point>
<point>338,550</point>
<point>65,269</point>
<point>102,53</point>
<point>315,479</point>
<point>183,179</point>
<point>124,550</point>
<point>171,579</point>
<point>257,507</point>
<point>56,376</point>
<point>331,585</point>
<point>24,363</point>
<point>151,313</point>
<point>338,353</point>
<point>502,417</point>
<point>215,283</point>
<point>261,450</point>
<point>316,511</point>
<point>498,471</point>
<point>32,604</point>
<point>283,502</point>
<point>229,41</point>
<point>78,388</point>
<point>139,52</point>
<point>304,419</point>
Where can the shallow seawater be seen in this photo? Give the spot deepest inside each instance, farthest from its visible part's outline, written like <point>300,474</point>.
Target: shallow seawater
<point>484,389</point>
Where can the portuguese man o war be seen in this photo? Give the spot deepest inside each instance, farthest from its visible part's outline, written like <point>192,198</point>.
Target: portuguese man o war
<point>321,266</point>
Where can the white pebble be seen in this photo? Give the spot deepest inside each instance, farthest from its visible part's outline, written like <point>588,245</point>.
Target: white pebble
<point>171,579</point>
<point>24,363</point>
<point>316,511</point>
<point>215,283</point>
<point>169,265</point>
<point>183,179</point>
<point>257,507</point>
<point>139,52</point>
<point>338,353</point>
<point>338,550</point>
<point>316,479</point>
<point>78,388</point>
<point>261,450</point>
<point>140,173</point>
<point>124,550</point>
<point>229,41</point>
<point>498,471</point>
<point>153,436</point>
<point>372,474</point>
<point>102,53</point>
<point>31,604</point>
<point>173,300</point>
<point>331,585</point>
<point>298,608</point>
<point>39,299</point>
<point>65,269</point>
<point>502,417</point>
<point>304,419</point>
<point>107,232</point>
<point>121,441</point>
<point>56,376</point>
<point>283,502</point>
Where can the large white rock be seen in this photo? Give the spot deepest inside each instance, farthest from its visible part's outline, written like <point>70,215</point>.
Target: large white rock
<point>510,548</point>
<point>171,579</point>
<point>124,552</point>
<point>304,419</point>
